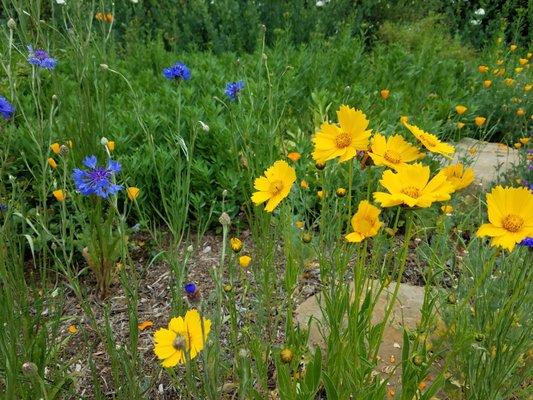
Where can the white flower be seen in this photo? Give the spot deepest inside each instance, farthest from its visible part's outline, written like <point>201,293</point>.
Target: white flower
<point>475,21</point>
<point>320,3</point>
<point>134,1</point>
<point>479,12</point>
<point>60,2</point>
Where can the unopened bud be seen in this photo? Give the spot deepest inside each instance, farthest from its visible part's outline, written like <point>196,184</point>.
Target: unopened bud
<point>347,88</point>
<point>55,97</point>
<point>104,66</point>
<point>63,150</point>
<point>264,57</point>
<point>286,355</point>
<point>224,193</point>
<point>225,219</point>
<point>263,27</point>
<point>29,369</point>
<point>11,24</point>
<point>190,248</point>
<point>204,126</point>
<point>104,141</point>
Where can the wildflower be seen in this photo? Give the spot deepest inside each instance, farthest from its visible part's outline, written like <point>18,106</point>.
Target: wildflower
<point>183,340</point>
<point>479,121</point>
<point>517,145</point>
<point>472,151</point>
<point>190,288</point>
<point>459,176</point>
<point>340,192</point>
<point>6,108</point>
<point>235,244</point>
<point>286,355</point>
<point>513,47</point>
<point>30,370</point>
<point>460,109</point>
<point>178,71</point>
<point>411,185</point>
<point>517,70</point>
<point>487,83</point>
<point>132,192</point>
<point>447,209</point>
<point>524,140</point>
<point>499,62</point>
<point>52,163</point>
<point>365,222</point>
<point>527,242</point>
<point>145,325</point>
<point>509,81</point>
<point>97,180</point>
<point>430,141</point>
<point>499,71</point>
<point>55,147</point>
<point>233,89</point>
<point>275,185</point>
<point>306,237</point>
<point>299,224</point>
<point>320,166</point>
<point>294,156</point>
<point>244,261</point>
<point>393,151</point>
<point>320,194</point>
<point>404,119</point>
<point>224,219</point>
<point>528,87</point>
<point>479,12</point>
<point>483,69</point>
<point>460,125</point>
<point>110,145</point>
<point>520,112</point>
<point>104,17</point>
<point>510,212</point>
<point>304,184</point>
<point>529,55</point>
<point>384,93</point>
<point>475,22</point>
<point>342,140</point>
<point>40,58</point>
<point>72,329</point>
<point>60,195</point>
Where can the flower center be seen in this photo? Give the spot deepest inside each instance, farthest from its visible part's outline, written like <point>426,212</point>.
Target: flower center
<point>365,225</point>
<point>411,191</point>
<point>392,156</point>
<point>276,187</point>
<point>513,223</point>
<point>343,140</point>
<point>429,140</point>
<point>180,343</point>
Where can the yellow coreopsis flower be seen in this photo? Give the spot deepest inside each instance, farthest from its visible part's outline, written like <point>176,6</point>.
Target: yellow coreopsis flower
<point>235,244</point>
<point>459,176</point>
<point>479,121</point>
<point>384,93</point>
<point>430,141</point>
<point>447,209</point>
<point>183,340</point>
<point>393,151</point>
<point>499,62</point>
<point>483,69</point>
<point>294,156</point>
<point>275,185</point>
<point>460,109</point>
<point>52,163</point>
<point>304,184</point>
<point>60,195</point>
<point>460,125</point>
<point>509,81</point>
<point>342,140</point>
<point>517,70</point>
<point>517,145</point>
<point>524,140</point>
<point>365,222</point>
<point>528,87</point>
<point>529,55</point>
<point>411,186</point>
<point>520,112</point>
<point>487,83</point>
<point>132,192</point>
<point>111,145</point>
<point>55,147</point>
<point>513,47</point>
<point>244,261</point>
<point>522,61</point>
<point>510,212</point>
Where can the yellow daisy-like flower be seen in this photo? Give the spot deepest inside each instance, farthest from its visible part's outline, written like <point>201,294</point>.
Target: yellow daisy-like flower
<point>411,185</point>
<point>460,125</point>
<point>235,244</point>
<point>244,261</point>
<point>487,83</point>
<point>510,213</point>
<point>55,147</point>
<point>483,69</point>
<point>460,109</point>
<point>52,163</point>
<point>459,176</point>
<point>393,151</point>
<point>133,192</point>
<point>60,195</point>
<point>342,140</point>
<point>275,185</point>
<point>522,61</point>
<point>430,141</point>
<point>479,121</point>
<point>183,340</point>
<point>365,222</point>
<point>447,209</point>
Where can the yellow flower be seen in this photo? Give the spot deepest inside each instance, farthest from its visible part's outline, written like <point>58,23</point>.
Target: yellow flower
<point>517,145</point>
<point>460,125</point>
<point>500,72</point>
<point>183,340</point>
<point>299,224</point>
<point>60,195</point>
<point>509,81</point>
<point>430,141</point>
<point>294,156</point>
<point>411,186</point>
<point>513,47</point>
<point>342,140</point>
<point>524,140</point>
<point>487,83</point>
<point>517,70</point>
<point>523,61</point>
<point>111,145</point>
<point>340,192</point>
<point>447,209</point>
<point>55,147</point>
<point>480,121</point>
<point>528,87</point>
<point>320,194</point>
<point>384,93</point>
<point>459,176</point>
<point>510,212</point>
<point>483,69</point>
<point>275,185</point>
<point>52,163</point>
<point>520,112</point>
<point>244,261</point>
<point>235,244</point>
<point>529,55</point>
<point>393,151</point>
<point>72,329</point>
<point>460,109</point>
<point>132,192</point>
<point>404,119</point>
<point>365,222</point>
<point>304,184</point>
<point>499,62</point>
<point>472,151</point>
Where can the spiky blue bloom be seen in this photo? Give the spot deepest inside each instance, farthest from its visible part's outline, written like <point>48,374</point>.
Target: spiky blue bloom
<point>233,89</point>
<point>178,71</point>
<point>97,180</point>
<point>6,108</point>
<point>40,58</point>
<point>527,242</point>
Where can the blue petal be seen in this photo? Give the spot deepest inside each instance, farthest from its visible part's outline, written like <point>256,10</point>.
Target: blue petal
<point>113,166</point>
<point>90,162</point>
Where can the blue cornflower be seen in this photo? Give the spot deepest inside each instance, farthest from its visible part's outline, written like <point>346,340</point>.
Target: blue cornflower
<point>233,89</point>
<point>40,58</point>
<point>6,108</point>
<point>527,242</point>
<point>177,71</point>
<point>97,180</point>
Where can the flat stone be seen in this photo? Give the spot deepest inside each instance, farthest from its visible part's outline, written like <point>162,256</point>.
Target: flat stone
<point>490,161</point>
